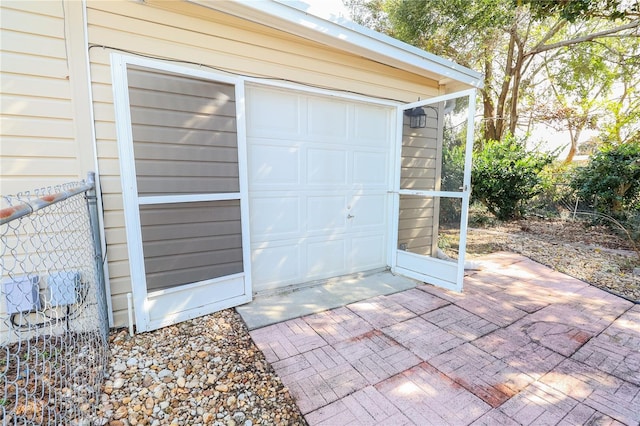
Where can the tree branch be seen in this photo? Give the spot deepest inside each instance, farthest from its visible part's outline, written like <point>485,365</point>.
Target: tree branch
<point>552,31</point>
<point>589,37</point>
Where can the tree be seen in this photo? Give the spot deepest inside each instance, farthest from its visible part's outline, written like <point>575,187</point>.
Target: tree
<point>504,39</point>
<point>572,91</point>
<point>592,85</point>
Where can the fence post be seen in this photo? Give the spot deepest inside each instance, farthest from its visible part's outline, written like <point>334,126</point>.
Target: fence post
<point>101,297</point>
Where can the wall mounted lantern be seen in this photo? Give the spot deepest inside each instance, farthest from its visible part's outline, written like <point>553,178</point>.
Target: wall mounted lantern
<point>417,118</point>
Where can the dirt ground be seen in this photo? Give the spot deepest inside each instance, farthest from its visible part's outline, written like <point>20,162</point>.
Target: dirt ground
<point>590,253</point>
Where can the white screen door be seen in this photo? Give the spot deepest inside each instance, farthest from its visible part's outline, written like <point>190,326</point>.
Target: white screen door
<point>433,181</point>
<point>182,152</point>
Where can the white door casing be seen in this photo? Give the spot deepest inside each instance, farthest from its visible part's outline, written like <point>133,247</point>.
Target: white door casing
<point>429,266</point>
<point>188,225</point>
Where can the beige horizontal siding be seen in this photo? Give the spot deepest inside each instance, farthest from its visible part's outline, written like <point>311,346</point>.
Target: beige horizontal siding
<point>29,85</point>
<point>37,129</point>
<point>15,146</point>
<point>34,8</point>
<point>17,64</point>
<point>230,43</point>
<point>46,47</point>
<point>31,21</point>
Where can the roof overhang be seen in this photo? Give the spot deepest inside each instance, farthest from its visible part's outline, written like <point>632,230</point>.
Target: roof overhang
<point>346,35</point>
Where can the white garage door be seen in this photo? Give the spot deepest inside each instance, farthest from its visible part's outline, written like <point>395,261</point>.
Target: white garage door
<point>318,181</point>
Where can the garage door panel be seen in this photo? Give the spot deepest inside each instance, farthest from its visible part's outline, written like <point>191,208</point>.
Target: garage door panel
<point>326,212</point>
<point>274,264</point>
<point>370,168</point>
<point>326,259</point>
<point>327,119</point>
<point>326,166</point>
<point>266,162</point>
<point>282,222</point>
<point>366,211</point>
<point>367,252</point>
<point>272,113</point>
<point>371,126</point>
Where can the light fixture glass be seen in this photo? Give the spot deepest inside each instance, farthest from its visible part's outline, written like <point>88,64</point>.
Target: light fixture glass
<point>417,118</point>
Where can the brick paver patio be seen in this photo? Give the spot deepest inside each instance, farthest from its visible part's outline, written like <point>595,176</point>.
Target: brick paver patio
<point>522,345</point>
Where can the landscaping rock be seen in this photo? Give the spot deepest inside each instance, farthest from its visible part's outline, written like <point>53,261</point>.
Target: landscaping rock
<point>205,371</point>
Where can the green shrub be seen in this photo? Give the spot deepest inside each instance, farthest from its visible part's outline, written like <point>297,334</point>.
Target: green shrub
<point>611,179</point>
<point>632,225</point>
<point>479,216</point>
<point>452,179</point>
<point>505,175</point>
<point>556,197</point>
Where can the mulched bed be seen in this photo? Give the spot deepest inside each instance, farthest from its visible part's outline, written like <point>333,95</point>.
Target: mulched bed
<point>590,253</point>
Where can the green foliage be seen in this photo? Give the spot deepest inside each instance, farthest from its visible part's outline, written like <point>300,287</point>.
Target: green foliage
<point>611,180</point>
<point>457,29</point>
<point>452,179</point>
<point>621,119</point>
<point>505,175</point>
<point>555,196</point>
<point>453,155</point>
<point>479,217</point>
<point>580,10</point>
<point>632,226</point>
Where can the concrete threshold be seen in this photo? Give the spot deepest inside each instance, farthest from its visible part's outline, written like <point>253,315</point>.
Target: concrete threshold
<point>280,306</point>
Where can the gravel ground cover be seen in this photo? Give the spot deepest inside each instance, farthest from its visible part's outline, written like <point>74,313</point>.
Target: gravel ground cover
<point>208,371</point>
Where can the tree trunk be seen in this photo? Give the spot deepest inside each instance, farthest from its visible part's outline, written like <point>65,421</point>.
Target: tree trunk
<point>574,136</point>
<point>506,84</point>
<point>515,93</point>
<point>572,153</point>
<point>517,79</point>
<point>487,102</point>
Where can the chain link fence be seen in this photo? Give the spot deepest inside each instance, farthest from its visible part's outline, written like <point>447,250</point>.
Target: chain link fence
<point>53,315</point>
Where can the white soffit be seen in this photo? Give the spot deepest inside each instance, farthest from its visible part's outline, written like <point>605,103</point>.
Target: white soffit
<point>341,33</point>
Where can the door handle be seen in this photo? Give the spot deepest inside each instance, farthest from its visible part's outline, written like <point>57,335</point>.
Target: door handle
<point>350,216</point>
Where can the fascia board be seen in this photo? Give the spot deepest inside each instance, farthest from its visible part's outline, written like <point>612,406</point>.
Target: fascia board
<point>347,35</point>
